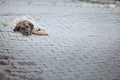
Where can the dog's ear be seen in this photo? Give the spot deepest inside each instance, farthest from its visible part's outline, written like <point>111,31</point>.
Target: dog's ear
<point>31,25</point>
<point>17,28</point>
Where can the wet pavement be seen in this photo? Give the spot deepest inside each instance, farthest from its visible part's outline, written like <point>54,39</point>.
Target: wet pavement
<point>83,41</point>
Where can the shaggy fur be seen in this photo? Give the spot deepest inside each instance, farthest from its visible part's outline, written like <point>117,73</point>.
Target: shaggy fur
<point>27,26</point>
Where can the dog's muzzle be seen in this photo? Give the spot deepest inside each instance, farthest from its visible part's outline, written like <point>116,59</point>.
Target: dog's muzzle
<point>27,32</point>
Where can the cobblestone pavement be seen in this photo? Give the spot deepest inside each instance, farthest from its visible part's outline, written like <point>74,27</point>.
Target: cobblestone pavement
<point>83,41</point>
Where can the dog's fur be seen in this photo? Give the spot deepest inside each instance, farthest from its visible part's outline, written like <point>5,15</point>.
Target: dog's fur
<point>27,26</point>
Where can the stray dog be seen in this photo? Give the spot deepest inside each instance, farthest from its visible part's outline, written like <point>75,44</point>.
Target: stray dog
<point>27,26</point>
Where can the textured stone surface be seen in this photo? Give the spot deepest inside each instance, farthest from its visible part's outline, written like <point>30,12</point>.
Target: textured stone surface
<point>83,41</point>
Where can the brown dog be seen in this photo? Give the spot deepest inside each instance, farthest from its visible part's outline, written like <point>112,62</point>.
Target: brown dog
<point>27,27</point>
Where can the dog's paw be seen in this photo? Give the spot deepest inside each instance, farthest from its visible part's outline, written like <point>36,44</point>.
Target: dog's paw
<point>42,33</point>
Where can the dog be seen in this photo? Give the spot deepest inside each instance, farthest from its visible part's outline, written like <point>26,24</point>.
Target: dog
<point>27,26</point>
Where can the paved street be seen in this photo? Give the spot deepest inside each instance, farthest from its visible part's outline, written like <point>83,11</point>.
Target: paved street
<point>83,41</point>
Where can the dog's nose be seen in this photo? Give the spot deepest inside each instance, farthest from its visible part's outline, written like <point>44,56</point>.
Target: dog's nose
<point>27,33</point>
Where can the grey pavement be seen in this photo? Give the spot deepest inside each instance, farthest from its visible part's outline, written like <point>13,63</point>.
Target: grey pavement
<point>83,41</point>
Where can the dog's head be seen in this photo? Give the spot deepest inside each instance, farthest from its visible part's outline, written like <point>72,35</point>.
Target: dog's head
<point>25,27</point>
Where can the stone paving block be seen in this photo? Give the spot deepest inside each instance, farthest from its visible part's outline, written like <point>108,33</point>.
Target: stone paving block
<point>26,63</point>
<point>83,41</point>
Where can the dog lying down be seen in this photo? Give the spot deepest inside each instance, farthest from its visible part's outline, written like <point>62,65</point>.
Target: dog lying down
<point>27,26</point>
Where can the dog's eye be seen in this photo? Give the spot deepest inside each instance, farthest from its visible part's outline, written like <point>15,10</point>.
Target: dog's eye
<point>26,26</point>
<point>22,28</point>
